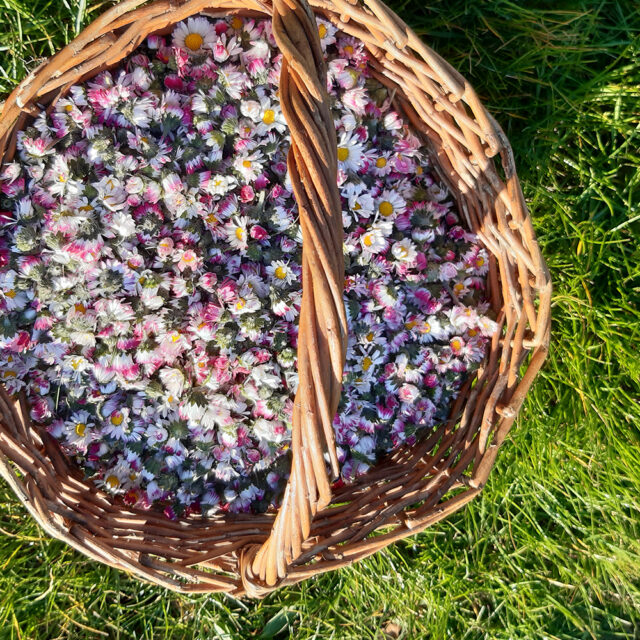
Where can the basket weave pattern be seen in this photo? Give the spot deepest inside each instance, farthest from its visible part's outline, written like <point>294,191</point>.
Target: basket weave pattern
<point>317,528</point>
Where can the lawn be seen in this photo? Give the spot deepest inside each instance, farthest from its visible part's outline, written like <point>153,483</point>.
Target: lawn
<point>551,549</point>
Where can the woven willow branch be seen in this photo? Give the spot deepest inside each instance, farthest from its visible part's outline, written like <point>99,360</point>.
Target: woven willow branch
<point>315,530</point>
<point>322,332</point>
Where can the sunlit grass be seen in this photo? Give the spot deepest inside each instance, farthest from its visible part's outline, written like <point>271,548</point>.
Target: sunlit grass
<point>552,547</point>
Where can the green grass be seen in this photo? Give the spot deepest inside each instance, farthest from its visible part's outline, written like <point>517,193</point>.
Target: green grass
<point>552,547</point>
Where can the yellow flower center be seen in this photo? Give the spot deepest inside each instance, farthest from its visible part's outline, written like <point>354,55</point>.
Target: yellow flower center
<point>280,273</point>
<point>269,116</point>
<point>10,373</point>
<point>403,251</point>
<point>188,258</point>
<point>79,307</point>
<point>170,399</point>
<point>343,153</point>
<point>68,108</point>
<point>240,233</point>
<point>81,427</point>
<point>419,170</point>
<point>366,363</point>
<point>357,206</point>
<point>385,208</point>
<point>458,287</point>
<point>322,31</point>
<point>175,337</point>
<point>479,261</point>
<point>410,324</point>
<point>75,363</point>
<point>116,418</point>
<point>381,163</point>
<point>368,240</point>
<point>473,332</point>
<point>348,50</point>
<point>202,365</point>
<point>426,328</point>
<point>236,22</point>
<point>246,164</point>
<point>456,344</point>
<point>370,336</point>
<point>211,219</point>
<point>11,293</point>
<point>241,303</point>
<point>142,280</point>
<point>112,482</point>
<point>193,41</point>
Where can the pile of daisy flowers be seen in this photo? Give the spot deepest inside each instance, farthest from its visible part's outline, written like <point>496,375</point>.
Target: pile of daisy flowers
<point>150,278</point>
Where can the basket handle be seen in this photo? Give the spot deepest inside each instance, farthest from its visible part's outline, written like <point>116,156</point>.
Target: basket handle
<point>312,163</point>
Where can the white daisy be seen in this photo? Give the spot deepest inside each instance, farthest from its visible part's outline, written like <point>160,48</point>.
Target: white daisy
<point>463,317</point>
<point>380,165</point>
<point>247,302</point>
<point>73,367</point>
<point>281,273</point>
<point>219,185</point>
<point>350,156</point>
<point>431,330</point>
<point>236,231</point>
<point>404,251</point>
<point>487,326</point>
<point>78,429</point>
<point>254,283</point>
<point>373,241</point>
<point>195,35</point>
<point>117,424</point>
<point>271,117</point>
<point>249,166</point>
<point>372,337</point>
<point>461,287</point>
<point>111,193</point>
<point>361,202</point>
<point>14,299</point>
<point>111,482</point>
<point>327,32</point>
<point>390,204</point>
<point>366,361</point>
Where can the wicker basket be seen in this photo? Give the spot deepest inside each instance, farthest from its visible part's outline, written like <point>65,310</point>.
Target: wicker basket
<point>317,529</point>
